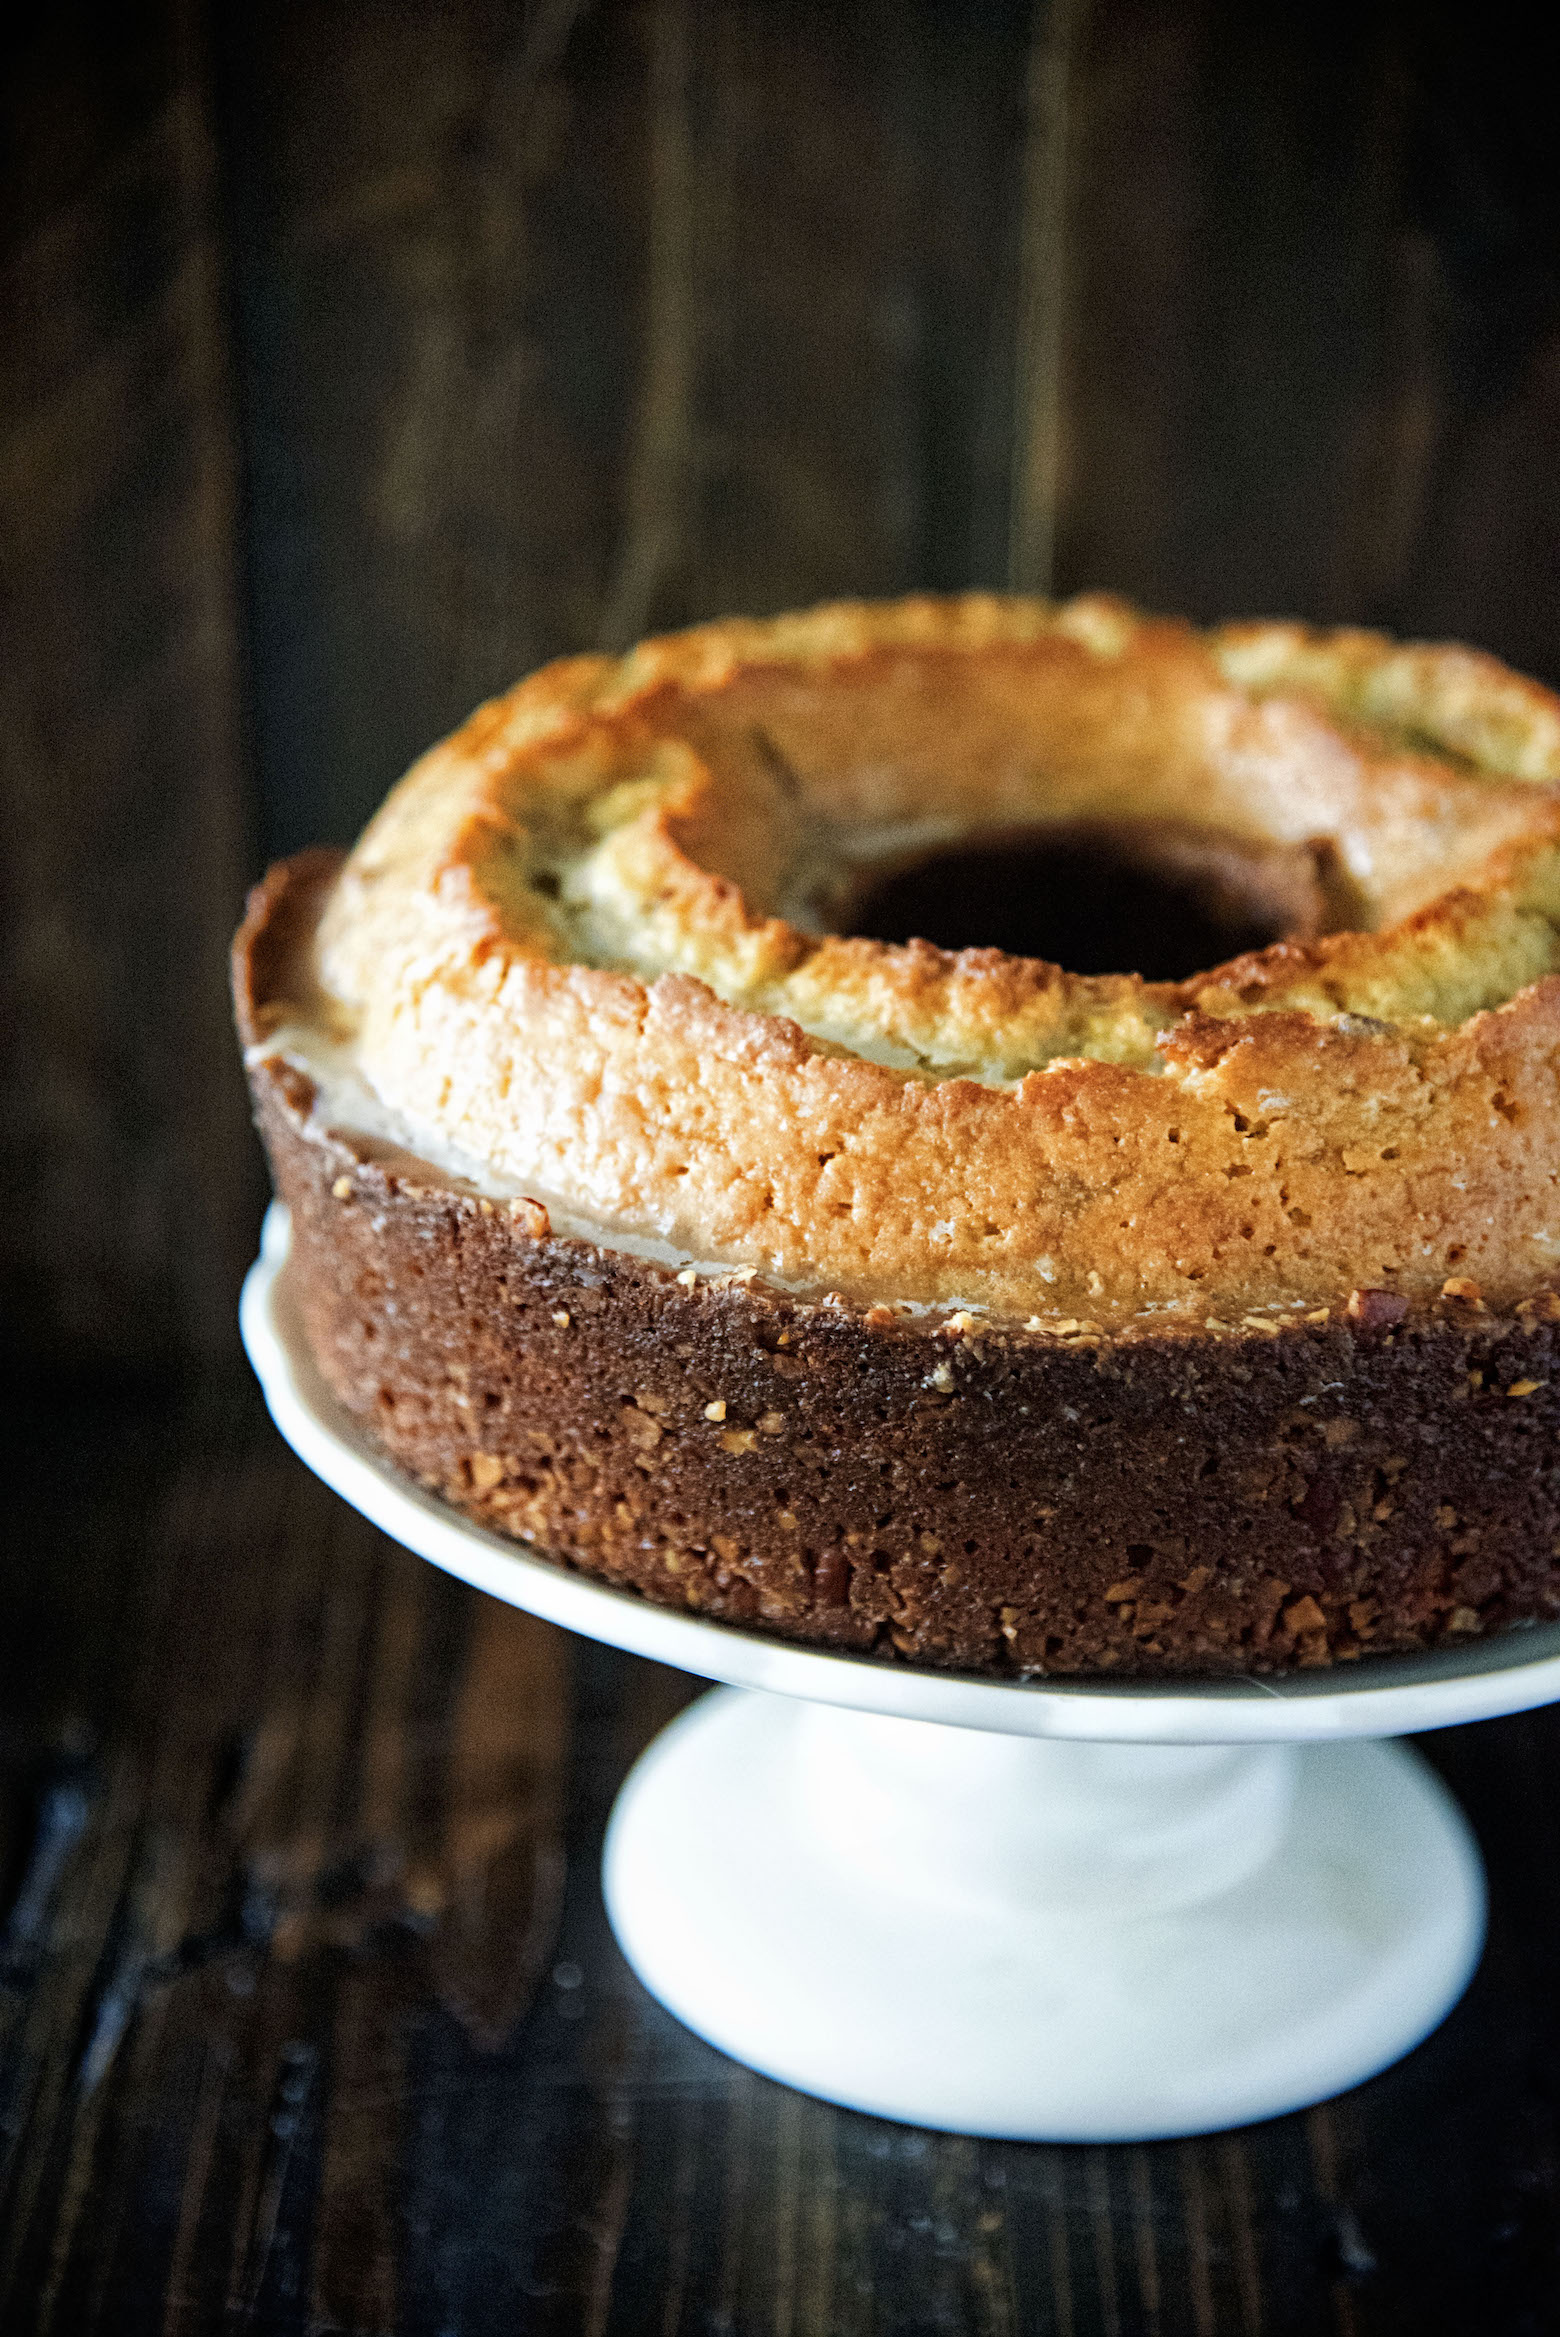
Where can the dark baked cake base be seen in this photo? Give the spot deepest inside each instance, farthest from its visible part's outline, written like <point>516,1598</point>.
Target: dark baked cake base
<point>1172,1501</point>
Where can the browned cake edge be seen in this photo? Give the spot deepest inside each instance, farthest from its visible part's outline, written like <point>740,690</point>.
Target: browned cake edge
<point>1159,1502</point>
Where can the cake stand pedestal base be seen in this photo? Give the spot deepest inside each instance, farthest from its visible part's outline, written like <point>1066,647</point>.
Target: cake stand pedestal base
<point>1044,1940</point>
<point>1064,1909</point>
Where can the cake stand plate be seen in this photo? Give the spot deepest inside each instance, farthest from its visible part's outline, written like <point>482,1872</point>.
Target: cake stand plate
<point>1065,1910</point>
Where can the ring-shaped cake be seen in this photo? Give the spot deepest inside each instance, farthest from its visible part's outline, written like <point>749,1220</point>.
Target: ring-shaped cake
<point>945,1300</point>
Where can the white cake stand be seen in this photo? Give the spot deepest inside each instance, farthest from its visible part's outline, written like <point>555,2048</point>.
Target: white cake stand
<point>1060,1910</point>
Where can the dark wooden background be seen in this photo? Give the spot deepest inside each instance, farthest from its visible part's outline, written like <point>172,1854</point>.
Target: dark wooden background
<point>354,358</point>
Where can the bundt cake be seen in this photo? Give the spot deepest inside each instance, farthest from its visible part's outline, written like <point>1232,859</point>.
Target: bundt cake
<point>667,1197</point>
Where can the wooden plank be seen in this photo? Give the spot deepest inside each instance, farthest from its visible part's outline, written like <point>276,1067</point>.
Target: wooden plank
<point>826,329</point>
<point>127,1191</point>
<point>1310,355</point>
<point>1236,185</point>
<point>809,461</point>
<point>556,328</point>
<point>443,215</point>
<point>1052,81</point>
<point>1477,305</point>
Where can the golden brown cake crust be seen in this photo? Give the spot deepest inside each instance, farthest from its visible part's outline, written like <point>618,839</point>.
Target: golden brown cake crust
<point>585,944</point>
<point>1162,1501</point>
<point>946,1303</point>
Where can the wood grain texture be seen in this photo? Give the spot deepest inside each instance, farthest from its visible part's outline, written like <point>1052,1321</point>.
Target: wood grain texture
<point>1312,270</point>
<point>443,216</point>
<point>557,326</point>
<point>126,1189</point>
<point>310,2018</point>
<point>1052,84</point>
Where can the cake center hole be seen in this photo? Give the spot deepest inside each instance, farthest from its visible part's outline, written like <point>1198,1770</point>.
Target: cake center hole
<point>1156,901</point>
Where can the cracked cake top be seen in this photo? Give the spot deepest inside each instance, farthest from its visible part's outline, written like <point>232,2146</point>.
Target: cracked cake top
<point>596,947</point>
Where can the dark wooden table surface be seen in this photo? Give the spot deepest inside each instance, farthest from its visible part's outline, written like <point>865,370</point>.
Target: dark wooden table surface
<point>310,2018</point>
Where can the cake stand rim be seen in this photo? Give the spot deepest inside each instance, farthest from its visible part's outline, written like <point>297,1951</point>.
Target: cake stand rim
<point>1394,1696</point>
